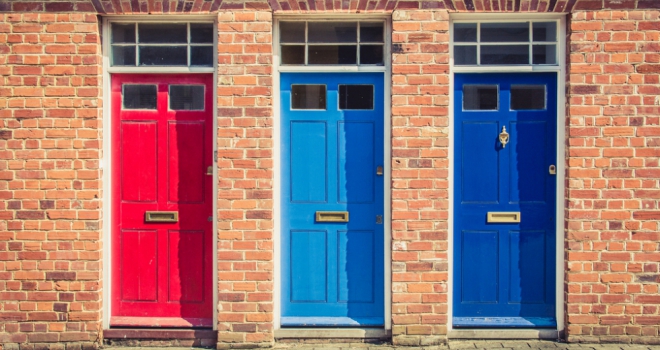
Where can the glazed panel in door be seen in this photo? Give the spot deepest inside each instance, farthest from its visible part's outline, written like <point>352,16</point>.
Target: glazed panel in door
<point>332,199</point>
<point>505,154</point>
<point>162,199</point>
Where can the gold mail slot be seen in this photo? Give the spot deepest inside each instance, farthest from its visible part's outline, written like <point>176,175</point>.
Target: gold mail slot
<point>161,216</point>
<point>331,216</point>
<point>503,216</point>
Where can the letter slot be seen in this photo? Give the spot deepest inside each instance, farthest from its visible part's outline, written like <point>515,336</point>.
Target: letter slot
<point>503,216</point>
<point>161,216</point>
<point>331,216</point>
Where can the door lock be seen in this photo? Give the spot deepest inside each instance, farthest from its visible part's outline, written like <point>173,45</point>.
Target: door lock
<point>379,170</point>
<point>552,170</point>
<point>379,219</point>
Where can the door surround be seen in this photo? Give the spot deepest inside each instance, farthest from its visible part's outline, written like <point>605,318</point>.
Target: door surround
<point>560,69</point>
<point>106,161</point>
<point>277,168</point>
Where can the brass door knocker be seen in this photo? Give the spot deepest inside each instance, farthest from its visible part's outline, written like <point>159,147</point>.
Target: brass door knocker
<point>504,137</point>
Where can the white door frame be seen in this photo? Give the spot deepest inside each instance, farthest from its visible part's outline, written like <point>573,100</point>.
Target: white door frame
<point>106,160</point>
<point>277,168</point>
<point>560,69</point>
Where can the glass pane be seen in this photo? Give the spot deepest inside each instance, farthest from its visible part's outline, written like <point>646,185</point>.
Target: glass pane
<point>465,32</point>
<point>504,54</point>
<point>504,32</point>
<point>544,54</point>
<point>163,56</point>
<point>123,55</point>
<point>332,32</point>
<point>332,54</point>
<point>123,33</point>
<point>479,97</point>
<point>530,97</point>
<point>162,33</point>
<point>464,55</point>
<point>307,96</point>
<point>544,31</point>
<point>293,54</point>
<point>139,96</point>
<point>371,32</point>
<point>356,97</point>
<point>292,32</point>
<point>201,56</point>
<point>371,54</point>
<point>201,33</point>
<point>186,97</point>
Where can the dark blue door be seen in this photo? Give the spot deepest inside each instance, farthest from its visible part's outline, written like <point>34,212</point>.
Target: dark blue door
<point>505,187</point>
<point>332,199</point>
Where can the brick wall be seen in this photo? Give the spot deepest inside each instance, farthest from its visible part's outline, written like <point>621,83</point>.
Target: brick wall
<point>245,184</point>
<point>50,136</point>
<point>420,100</point>
<point>50,141</point>
<point>612,233</point>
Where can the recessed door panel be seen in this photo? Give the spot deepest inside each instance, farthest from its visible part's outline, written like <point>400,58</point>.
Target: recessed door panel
<point>332,199</point>
<point>139,265</point>
<point>138,161</point>
<point>505,200</point>
<point>185,161</point>
<point>186,266</point>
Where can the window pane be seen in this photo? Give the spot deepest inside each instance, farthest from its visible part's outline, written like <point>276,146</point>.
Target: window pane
<point>139,96</point>
<point>201,56</point>
<point>332,32</point>
<point>479,97</point>
<point>293,54</point>
<point>123,55</point>
<point>530,97</point>
<point>465,32</point>
<point>544,54</point>
<point>371,32</point>
<point>292,32</point>
<point>162,33</point>
<point>545,31</point>
<point>371,54</point>
<point>356,97</point>
<point>186,97</point>
<point>163,56</point>
<point>201,33</point>
<point>123,33</point>
<point>504,54</point>
<point>307,96</point>
<point>504,32</point>
<point>332,54</point>
<point>464,55</point>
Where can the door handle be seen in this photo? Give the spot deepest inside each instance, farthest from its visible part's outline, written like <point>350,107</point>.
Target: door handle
<point>161,216</point>
<point>504,216</point>
<point>331,216</point>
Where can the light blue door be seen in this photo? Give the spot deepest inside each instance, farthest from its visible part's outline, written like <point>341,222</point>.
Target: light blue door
<point>332,199</point>
<point>505,190</point>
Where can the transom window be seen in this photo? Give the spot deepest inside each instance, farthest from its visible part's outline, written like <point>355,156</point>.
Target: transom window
<point>505,43</point>
<point>162,44</point>
<point>332,43</point>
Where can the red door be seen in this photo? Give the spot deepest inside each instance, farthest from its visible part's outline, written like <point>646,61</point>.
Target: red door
<point>162,200</point>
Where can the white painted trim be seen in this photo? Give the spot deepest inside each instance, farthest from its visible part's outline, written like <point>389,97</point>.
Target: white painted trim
<point>332,333</point>
<point>387,154</point>
<point>162,18</point>
<point>560,68</point>
<point>503,334</point>
<point>106,161</point>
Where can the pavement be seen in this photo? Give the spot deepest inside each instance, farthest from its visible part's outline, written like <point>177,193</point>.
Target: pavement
<point>458,345</point>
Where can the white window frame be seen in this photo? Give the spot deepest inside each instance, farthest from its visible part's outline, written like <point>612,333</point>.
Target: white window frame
<point>560,69</point>
<point>386,69</point>
<point>106,160</point>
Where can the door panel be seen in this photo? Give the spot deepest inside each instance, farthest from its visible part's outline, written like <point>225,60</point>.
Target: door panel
<point>332,271</point>
<point>504,271</point>
<point>162,269</point>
